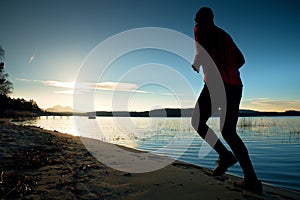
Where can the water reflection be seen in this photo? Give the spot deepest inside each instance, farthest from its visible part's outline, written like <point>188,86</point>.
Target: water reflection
<point>270,129</point>
<point>135,132</point>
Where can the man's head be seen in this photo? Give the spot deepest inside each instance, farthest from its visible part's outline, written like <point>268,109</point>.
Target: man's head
<point>204,16</point>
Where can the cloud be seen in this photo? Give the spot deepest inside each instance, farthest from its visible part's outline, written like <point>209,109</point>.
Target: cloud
<point>65,92</point>
<point>256,99</point>
<point>124,87</point>
<point>116,86</point>
<point>61,84</point>
<point>31,58</point>
<point>82,88</point>
<point>271,104</point>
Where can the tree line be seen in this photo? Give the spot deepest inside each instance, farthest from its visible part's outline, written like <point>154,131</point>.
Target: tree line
<point>10,107</point>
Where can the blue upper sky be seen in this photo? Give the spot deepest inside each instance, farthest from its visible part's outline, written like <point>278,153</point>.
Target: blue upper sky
<point>47,41</point>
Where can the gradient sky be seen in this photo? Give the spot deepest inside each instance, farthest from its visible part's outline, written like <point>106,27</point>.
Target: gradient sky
<point>47,41</point>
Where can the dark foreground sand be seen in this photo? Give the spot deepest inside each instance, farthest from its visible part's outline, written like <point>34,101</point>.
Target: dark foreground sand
<point>40,164</point>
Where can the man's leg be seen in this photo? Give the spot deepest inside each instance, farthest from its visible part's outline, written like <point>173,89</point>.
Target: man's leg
<point>201,114</point>
<point>229,133</point>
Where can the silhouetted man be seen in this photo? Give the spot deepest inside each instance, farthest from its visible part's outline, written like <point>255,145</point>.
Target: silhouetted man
<point>228,59</point>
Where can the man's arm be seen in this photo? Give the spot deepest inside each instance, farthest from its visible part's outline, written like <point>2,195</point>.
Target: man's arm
<point>196,63</point>
<point>239,56</point>
<point>235,56</point>
<point>195,68</point>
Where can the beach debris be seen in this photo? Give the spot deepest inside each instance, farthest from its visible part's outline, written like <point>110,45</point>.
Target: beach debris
<point>14,185</point>
<point>84,167</point>
<point>34,157</point>
<point>29,158</point>
<point>15,182</point>
<point>1,177</point>
<point>69,141</point>
<point>127,174</point>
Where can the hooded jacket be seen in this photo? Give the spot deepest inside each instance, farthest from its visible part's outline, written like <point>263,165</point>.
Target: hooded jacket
<point>222,50</point>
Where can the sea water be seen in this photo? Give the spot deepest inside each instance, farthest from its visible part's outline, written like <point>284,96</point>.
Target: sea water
<point>273,142</point>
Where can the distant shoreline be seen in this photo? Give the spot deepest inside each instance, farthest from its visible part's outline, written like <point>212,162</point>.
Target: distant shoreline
<point>170,112</point>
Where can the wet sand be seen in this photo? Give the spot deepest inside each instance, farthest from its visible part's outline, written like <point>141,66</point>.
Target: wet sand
<point>41,164</point>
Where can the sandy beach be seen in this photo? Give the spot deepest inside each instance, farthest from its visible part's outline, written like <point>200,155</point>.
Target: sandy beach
<point>41,164</point>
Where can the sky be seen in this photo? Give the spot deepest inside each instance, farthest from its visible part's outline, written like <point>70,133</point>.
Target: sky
<point>47,43</point>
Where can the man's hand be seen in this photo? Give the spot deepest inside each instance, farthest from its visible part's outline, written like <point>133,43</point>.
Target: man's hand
<point>195,69</point>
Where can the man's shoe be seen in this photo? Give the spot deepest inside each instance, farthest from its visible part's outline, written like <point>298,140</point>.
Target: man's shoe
<point>223,163</point>
<point>251,186</point>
